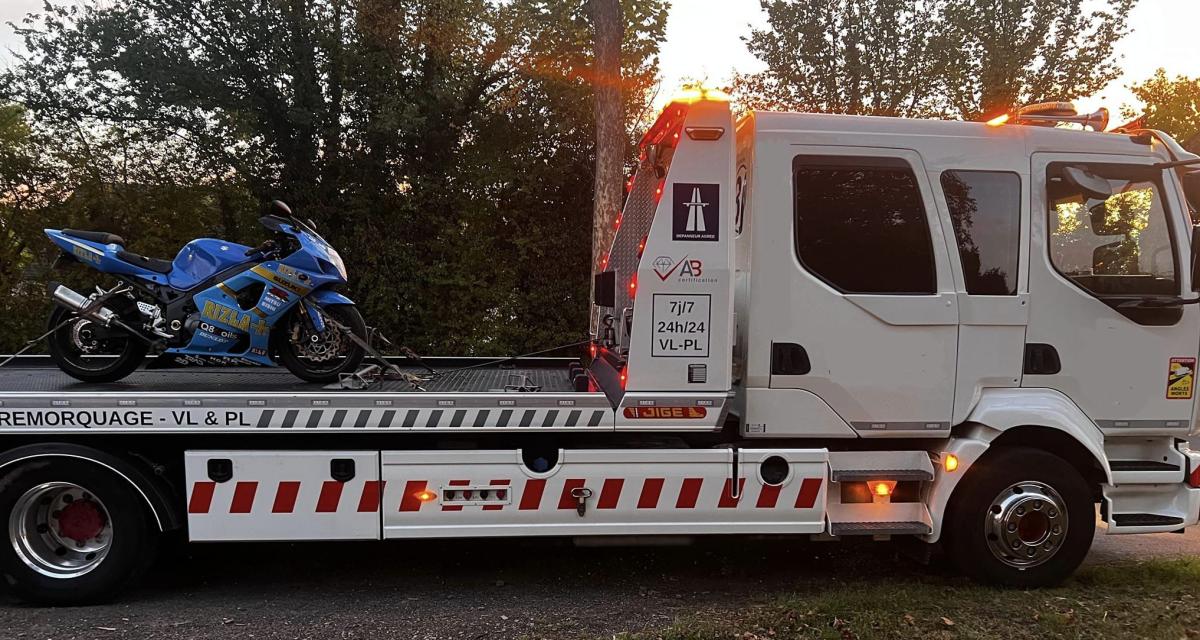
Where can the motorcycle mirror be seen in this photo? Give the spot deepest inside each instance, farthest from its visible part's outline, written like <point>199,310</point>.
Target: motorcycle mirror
<point>279,208</point>
<point>311,225</point>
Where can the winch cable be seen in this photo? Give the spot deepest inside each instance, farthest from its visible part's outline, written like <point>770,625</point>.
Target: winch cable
<point>32,343</point>
<point>492,363</point>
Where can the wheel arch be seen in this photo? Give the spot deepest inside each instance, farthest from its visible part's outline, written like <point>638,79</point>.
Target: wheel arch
<point>1042,419</point>
<point>154,493</point>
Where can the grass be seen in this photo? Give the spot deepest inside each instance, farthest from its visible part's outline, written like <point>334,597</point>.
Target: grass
<point>1153,599</point>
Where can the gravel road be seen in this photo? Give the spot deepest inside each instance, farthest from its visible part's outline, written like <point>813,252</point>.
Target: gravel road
<point>471,589</point>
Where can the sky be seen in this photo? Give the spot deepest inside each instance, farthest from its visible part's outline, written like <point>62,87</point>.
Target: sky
<point>704,42</point>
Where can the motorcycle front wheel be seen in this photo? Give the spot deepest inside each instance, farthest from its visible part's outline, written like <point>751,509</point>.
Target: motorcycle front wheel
<point>320,356</point>
<point>90,352</point>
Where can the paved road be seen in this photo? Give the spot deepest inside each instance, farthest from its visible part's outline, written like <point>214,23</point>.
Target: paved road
<point>471,589</point>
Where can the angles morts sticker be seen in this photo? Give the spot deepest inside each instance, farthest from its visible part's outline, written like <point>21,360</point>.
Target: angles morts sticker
<point>1181,376</point>
<point>696,212</point>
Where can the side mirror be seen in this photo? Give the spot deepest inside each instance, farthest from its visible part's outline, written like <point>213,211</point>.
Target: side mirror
<point>1092,185</point>
<point>1196,258</point>
<point>1191,188</point>
<point>279,208</point>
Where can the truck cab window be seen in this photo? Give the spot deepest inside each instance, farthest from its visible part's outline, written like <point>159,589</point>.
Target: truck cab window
<point>861,225</point>
<point>985,207</point>
<point>1119,244</point>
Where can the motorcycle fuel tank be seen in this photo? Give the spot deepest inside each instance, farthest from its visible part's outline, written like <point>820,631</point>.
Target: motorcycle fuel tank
<point>202,258</point>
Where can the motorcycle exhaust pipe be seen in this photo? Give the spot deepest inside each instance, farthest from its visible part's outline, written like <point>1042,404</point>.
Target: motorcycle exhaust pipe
<point>66,297</point>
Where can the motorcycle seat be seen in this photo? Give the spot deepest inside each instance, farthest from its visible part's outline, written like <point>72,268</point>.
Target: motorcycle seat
<point>145,262</point>
<point>103,237</point>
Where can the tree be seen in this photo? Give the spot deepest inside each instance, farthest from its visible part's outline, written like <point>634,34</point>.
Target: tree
<point>445,147</point>
<point>1170,105</point>
<point>608,193</point>
<point>945,58</point>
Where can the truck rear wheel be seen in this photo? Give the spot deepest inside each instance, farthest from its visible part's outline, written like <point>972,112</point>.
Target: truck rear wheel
<point>76,531</point>
<point>1022,518</point>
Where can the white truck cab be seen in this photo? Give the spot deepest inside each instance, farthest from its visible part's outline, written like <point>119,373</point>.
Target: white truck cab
<point>964,334</point>
<point>990,291</point>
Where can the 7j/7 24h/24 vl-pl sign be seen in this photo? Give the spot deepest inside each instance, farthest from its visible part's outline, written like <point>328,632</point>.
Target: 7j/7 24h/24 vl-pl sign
<point>681,325</point>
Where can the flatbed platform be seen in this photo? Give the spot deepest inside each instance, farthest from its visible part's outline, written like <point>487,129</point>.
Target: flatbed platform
<point>471,394</point>
<point>45,377</point>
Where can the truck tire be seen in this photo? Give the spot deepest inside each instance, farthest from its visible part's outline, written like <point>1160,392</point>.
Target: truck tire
<point>1022,517</point>
<point>76,531</point>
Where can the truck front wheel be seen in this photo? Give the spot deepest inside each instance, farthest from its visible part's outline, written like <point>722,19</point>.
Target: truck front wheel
<point>1022,517</point>
<point>76,531</point>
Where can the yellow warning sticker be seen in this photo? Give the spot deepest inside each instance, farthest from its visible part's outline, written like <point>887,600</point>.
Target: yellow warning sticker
<point>1181,376</point>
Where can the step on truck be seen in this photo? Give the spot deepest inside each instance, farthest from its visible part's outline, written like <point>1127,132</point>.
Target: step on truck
<point>978,337</point>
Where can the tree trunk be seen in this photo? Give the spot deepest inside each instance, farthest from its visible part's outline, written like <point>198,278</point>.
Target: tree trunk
<point>610,129</point>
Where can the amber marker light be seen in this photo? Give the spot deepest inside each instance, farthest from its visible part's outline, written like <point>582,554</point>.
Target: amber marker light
<point>950,462</point>
<point>881,489</point>
<point>998,120</point>
<point>425,496</point>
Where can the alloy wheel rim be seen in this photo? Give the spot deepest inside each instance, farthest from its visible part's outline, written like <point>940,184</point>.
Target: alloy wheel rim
<point>1025,524</point>
<point>60,530</point>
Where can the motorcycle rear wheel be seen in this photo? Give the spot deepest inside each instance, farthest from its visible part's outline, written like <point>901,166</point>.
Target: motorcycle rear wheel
<point>310,360</point>
<point>83,356</point>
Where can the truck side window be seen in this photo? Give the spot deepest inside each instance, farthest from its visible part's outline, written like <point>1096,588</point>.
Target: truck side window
<point>861,225</point>
<point>985,207</point>
<point>1115,245</point>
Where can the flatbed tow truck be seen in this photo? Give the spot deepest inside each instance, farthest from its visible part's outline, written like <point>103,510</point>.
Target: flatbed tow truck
<point>963,335</point>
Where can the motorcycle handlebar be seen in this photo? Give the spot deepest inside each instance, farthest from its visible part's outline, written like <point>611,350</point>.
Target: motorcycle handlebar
<point>262,248</point>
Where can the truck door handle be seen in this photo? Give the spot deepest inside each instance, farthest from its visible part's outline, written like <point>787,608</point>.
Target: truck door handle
<point>341,469</point>
<point>789,359</point>
<point>220,469</point>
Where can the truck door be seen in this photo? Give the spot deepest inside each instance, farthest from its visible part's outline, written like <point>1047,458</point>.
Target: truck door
<point>1110,248</point>
<point>869,321</point>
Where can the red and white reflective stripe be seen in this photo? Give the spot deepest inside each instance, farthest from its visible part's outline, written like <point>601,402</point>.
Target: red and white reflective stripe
<point>284,500</point>
<point>649,495</point>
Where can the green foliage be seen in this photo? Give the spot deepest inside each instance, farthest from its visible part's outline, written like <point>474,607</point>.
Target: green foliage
<point>444,146</point>
<point>922,58</point>
<point>1171,105</point>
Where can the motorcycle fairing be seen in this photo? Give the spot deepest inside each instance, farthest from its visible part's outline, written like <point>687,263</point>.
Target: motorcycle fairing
<point>229,327</point>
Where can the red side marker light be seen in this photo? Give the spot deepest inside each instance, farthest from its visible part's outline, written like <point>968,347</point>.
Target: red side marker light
<point>633,286</point>
<point>624,378</point>
<point>705,133</point>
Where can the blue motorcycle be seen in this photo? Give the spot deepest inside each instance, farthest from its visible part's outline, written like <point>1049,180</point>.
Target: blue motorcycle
<point>216,303</point>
